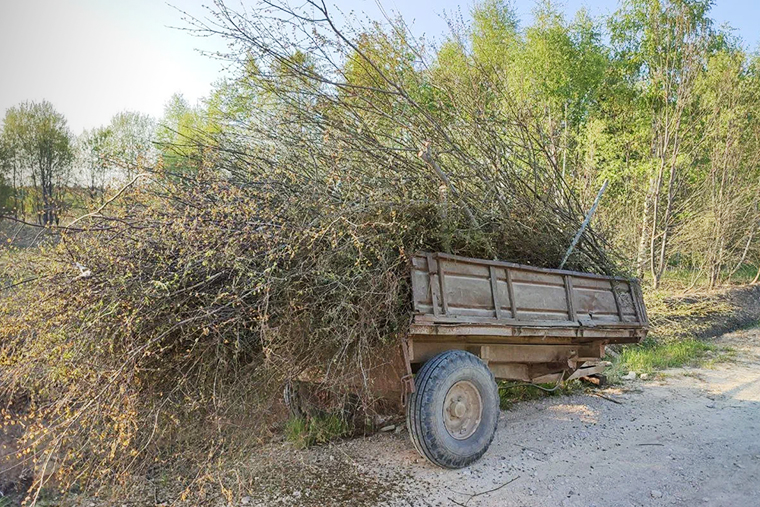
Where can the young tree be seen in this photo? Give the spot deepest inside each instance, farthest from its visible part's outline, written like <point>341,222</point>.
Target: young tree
<point>6,171</point>
<point>6,194</point>
<point>180,135</point>
<point>40,144</point>
<point>94,158</point>
<point>131,142</point>
<point>730,177</point>
<point>663,45</point>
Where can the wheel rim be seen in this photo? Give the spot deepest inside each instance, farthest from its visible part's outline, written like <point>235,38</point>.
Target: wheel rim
<point>462,410</point>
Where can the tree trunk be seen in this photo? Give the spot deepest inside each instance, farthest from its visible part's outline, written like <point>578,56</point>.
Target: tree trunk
<point>653,232</point>
<point>744,255</point>
<point>642,249</point>
<point>666,224</point>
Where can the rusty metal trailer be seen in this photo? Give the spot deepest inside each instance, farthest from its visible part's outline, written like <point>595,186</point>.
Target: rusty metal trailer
<point>479,320</point>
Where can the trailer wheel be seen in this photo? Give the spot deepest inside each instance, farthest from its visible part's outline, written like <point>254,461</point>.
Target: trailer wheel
<point>452,414</point>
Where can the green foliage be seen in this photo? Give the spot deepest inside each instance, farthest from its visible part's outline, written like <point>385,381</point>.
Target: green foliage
<point>511,393</point>
<point>130,143</point>
<point>181,136</point>
<point>6,194</point>
<point>36,153</point>
<point>304,433</point>
<point>651,356</point>
<point>95,159</point>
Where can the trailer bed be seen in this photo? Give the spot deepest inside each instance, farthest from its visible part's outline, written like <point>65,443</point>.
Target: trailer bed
<point>526,323</point>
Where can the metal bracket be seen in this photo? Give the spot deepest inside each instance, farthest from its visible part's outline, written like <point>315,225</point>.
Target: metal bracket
<point>407,388</point>
<point>407,381</point>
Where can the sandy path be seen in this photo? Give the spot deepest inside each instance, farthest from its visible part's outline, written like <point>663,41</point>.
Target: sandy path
<point>690,439</point>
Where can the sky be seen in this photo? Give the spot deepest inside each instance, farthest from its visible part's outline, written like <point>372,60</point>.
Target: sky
<point>95,58</point>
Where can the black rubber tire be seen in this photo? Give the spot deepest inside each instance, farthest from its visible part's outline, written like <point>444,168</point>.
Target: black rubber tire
<point>424,410</point>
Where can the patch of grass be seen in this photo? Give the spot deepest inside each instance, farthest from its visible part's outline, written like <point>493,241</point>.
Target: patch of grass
<point>304,433</point>
<point>684,316</point>
<point>651,356</point>
<point>681,277</point>
<point>511,393</point>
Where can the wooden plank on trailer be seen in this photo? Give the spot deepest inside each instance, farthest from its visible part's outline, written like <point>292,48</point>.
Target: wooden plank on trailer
<point>495,292</point>
<point>617,300</point>
<point>509,353</point>
<point>638,303</point>
<point>505,322</point>
<point>511,290</point>
<point>585,371</point>
<point>569,296</point>
<point>579,341</point>
<point>524,267</point>
<point>434,286</point>
<point>442,280</point>
<point>510,371</point>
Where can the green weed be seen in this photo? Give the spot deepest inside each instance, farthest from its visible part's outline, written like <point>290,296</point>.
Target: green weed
<point>511,393</point>
<point>651,356</point>
<point>304,433</point>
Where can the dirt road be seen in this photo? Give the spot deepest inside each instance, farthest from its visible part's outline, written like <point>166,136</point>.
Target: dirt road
<point>691,438</point>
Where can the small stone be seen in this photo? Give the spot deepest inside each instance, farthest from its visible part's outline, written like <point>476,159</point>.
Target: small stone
<point>630,376</point>
<point>644,376</point>
<point>245,500</point>
<point>296,494</point>
<point>656,493</point>
<point>390,427</point>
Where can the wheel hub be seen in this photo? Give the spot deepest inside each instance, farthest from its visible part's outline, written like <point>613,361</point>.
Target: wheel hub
<point>462,410</point>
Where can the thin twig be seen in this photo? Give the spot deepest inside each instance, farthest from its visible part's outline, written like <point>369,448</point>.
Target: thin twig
<point>607,398</point>
<point>113,198</point>
<point>473,495</point>
<point>492,490</point>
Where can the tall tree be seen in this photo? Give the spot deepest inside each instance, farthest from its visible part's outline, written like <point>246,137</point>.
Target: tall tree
<point>95,159</point>
<point>40,146</point>
<point>664,44</point>
<point>180,135</point>
<point>131,142</point>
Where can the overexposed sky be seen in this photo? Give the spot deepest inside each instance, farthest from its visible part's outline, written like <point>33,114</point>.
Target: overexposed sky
<point>94,58</point>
